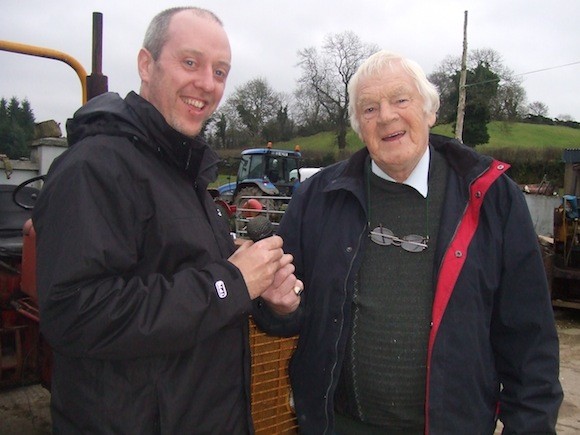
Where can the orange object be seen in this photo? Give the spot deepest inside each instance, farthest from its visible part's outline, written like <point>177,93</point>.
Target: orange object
<point>272,410</point>
<point>250,205</point>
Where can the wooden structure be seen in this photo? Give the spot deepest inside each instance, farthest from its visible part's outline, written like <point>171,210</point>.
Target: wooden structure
<point>272,409</point>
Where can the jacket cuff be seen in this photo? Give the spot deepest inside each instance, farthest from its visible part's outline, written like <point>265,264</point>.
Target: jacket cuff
<point>230,287</point>
<point>276,324</point>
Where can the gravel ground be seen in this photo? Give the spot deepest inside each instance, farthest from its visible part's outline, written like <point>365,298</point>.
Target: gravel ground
<point>24,410</point>
<point>568,322</point>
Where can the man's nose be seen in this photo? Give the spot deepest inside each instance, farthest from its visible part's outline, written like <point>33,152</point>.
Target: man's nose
<point>387,112</point>
<point>205,80</point>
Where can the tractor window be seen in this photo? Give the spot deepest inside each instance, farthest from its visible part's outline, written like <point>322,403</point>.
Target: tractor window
<point>274,171</point>
<point>252,166</point>
<point>290,169</point>
<point>244,168</point>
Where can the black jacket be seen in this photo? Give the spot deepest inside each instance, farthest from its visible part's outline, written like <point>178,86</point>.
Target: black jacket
<point>147,319</point>
<point>492,322</point>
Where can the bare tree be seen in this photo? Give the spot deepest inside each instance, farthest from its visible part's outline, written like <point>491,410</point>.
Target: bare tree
<point>507,104</point>
<point>564,117</point>
<point>310,116</point>
<point>443,79</point>
<point>326,76</point>
<point>251,107</point>
<point>537,108</point>
<point>256,103</point>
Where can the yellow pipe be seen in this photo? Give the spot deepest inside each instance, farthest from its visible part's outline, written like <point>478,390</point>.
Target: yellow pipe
<point>16,47</point>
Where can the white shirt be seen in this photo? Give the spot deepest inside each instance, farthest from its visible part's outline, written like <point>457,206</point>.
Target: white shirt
<point>418,179</point>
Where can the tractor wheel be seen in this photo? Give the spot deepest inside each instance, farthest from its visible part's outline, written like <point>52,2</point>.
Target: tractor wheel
<point>267,203</point>
<point>240,202</point>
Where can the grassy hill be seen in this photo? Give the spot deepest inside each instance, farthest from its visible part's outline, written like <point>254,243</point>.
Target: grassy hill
<point>534,151</point>
<point>522,135</point>
<point>502,135</point>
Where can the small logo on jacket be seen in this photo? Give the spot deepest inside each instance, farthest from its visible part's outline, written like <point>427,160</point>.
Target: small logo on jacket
<point>221,290</point>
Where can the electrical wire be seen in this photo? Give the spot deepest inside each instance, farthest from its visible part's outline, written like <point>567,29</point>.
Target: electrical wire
<point>523,74</point>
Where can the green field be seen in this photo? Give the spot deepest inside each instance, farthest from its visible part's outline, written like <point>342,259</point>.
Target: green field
<point>533,150</point>
<point>502,135</point>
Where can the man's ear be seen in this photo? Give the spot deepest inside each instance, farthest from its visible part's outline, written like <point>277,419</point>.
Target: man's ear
<point>144,64</point>
<point>431,118</point>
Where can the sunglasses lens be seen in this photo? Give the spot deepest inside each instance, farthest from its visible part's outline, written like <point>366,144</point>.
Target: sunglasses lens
<point>382,236</point>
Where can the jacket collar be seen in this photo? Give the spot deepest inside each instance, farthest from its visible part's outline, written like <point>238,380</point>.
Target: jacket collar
<point>350,177</point>
<point>191,155</point>
<point>463,160</point>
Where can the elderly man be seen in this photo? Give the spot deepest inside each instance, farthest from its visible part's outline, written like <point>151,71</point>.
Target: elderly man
<point>426,308</point>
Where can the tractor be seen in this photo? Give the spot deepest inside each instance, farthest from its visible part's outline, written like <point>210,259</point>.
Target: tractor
<point>265,182</point>
<point>24,358</point>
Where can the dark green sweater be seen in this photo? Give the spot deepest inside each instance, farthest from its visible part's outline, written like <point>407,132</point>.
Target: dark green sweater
<point>383,377</point>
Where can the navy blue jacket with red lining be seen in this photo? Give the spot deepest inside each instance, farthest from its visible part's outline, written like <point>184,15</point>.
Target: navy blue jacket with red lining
<point>493,350</point>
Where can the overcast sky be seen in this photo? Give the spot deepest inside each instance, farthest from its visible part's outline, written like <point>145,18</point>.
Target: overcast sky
<point>536,38</point>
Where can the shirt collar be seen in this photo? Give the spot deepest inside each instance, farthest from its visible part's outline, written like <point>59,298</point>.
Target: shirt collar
<point>418,179</point>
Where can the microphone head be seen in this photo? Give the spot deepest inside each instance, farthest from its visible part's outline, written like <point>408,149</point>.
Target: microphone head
<point>259,228</point>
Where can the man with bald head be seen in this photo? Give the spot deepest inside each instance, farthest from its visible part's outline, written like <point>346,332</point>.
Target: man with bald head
<point>143,296</point>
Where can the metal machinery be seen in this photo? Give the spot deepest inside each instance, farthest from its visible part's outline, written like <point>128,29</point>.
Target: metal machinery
<point>263,173</point>
<point>264,184</point>
<point>565,270</point>
<point>24,357</point>
<point>20,347</point>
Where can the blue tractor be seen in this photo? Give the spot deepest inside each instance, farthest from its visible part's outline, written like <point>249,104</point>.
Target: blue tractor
<point>265,175</point>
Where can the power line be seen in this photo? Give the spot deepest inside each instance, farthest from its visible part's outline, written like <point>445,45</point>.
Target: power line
<point>548,69</point>
<point>523,74</point>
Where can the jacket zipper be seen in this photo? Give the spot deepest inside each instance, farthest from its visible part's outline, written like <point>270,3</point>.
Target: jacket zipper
<point>345,291</point>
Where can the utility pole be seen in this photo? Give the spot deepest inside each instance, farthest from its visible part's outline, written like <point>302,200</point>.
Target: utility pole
<point>462,83</point>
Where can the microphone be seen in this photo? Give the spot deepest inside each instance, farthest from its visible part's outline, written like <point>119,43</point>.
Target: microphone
<point>259,228</point>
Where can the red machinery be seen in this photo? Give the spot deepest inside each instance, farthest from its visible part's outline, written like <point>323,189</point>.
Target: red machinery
<point>20,341</point>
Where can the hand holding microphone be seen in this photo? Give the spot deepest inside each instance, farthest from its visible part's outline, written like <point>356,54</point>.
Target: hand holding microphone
<point>283,296</point>
<point>260,228</point>
<point>260,262</point>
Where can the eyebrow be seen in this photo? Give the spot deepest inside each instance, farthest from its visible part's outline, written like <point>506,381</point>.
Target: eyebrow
<point>397,92</point>
<point>400,90</point>
<point>225,65</point>
<point>193,52</point>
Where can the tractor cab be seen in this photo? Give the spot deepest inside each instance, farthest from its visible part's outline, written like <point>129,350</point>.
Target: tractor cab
<point>270,170</point>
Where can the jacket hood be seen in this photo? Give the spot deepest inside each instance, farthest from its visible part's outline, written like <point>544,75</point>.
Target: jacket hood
<point>107,114</point>
<point>139,121</point>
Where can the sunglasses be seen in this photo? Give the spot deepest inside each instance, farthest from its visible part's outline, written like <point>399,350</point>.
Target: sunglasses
<point>411,243</point>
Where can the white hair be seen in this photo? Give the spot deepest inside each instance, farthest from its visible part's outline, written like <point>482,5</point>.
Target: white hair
<point>375,65</point>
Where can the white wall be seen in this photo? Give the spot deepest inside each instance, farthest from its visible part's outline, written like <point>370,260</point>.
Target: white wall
<point>542,210</point>
<point>43,152</point>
